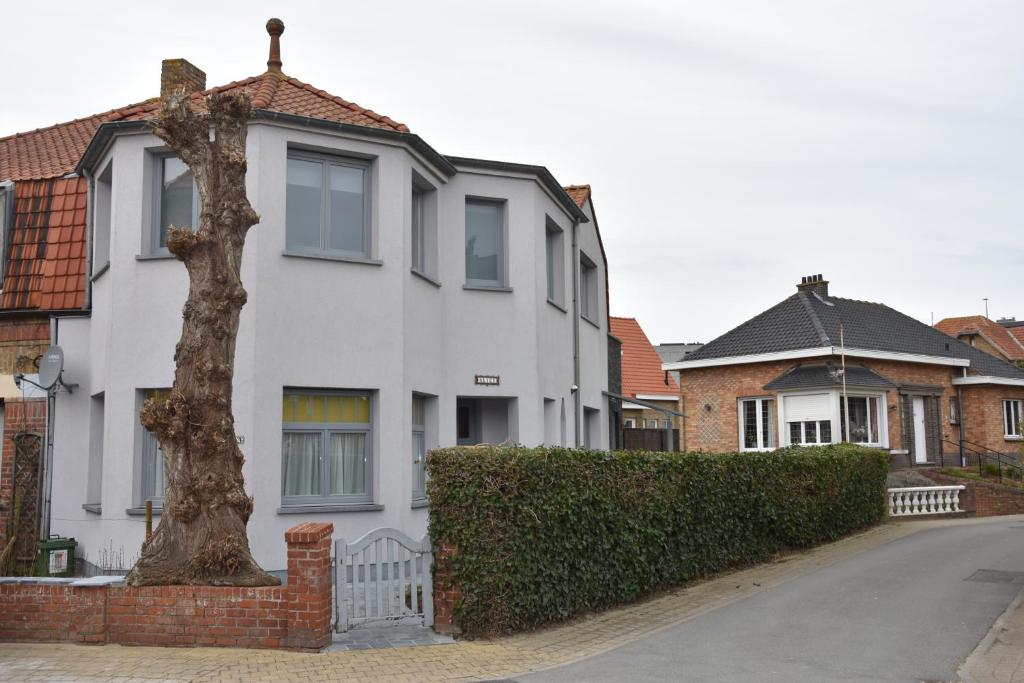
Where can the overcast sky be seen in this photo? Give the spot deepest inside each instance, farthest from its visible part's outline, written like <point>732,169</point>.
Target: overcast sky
<point>732,146</point>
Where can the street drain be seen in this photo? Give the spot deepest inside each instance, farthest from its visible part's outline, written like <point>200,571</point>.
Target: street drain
<point>996,576</point>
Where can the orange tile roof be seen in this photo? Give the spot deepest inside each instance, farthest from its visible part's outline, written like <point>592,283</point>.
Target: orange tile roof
<point>47,246</point>
<point>579,193</point>
<point>641,365</point>
<point>1017,333</point>
<point>46,250</point>
<point>1008,343</point>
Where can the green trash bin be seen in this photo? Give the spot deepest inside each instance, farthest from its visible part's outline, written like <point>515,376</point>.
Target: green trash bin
<point>56,557</point>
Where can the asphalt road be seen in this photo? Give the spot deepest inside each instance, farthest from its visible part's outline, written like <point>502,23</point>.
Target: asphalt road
<point>910,610</point>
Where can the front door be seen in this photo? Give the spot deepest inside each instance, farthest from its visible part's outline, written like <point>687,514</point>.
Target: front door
<point>467,425</point>
<point>920,432</point>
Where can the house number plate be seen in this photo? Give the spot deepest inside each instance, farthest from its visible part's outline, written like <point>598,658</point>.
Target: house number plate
<point>487,380</point>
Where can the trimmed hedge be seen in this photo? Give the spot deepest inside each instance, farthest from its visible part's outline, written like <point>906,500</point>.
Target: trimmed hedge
<point>542,534</point>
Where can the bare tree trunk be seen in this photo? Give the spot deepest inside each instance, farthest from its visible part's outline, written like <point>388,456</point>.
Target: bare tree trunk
<point>201,538</point>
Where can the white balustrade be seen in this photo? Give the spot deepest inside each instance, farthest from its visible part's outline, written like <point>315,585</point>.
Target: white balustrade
<point>924,500</point>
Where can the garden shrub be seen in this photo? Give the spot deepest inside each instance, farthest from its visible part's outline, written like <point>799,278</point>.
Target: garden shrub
<point>541,534</point>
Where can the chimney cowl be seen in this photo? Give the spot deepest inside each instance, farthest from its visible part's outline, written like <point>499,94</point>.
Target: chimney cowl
<point>180,74</point>
<point>813,284</point>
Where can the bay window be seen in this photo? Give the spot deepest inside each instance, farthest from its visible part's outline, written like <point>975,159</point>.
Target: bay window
<point>864,419</point>
<point>326,447</point>
<point>757,424</point>
<point>327,207</point>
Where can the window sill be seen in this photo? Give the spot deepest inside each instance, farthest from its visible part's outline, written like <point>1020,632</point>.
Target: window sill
<point>583,317</point>
<point>100,272</point>
<point>1013,438</point>
<point>94,508</point>
<point>329,507</point>
<point>141,511</point>
<point>333,257</point>
<point>559,306</point>
<point>485,288</point>
<point>167,256</point>
<point>899,451</point>
<point>424,276</point>
<point>419,503</point>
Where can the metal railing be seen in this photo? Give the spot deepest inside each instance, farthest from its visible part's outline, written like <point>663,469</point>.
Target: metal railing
<point>986,456</point>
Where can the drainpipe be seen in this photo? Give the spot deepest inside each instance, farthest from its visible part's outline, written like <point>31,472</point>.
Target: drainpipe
<point>51,404</point>
<point>576,410</point>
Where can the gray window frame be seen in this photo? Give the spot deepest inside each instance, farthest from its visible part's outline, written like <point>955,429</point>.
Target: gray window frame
<point>326,161</point>
<point>502,283</point>
<point>6,223</point>
<point>157,195</point>
<point>590,301</point>
<point>554,263</point>
<point>419,228</point>
<point>103,218</point>
<point>326,429</point>
<point>149,446</point>
<point>419,458</point>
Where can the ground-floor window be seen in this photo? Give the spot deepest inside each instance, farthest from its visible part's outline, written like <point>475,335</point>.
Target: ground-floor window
<point>419,447</point>
<point>326,447</point>
<point>810,432</point>
<point>629,423</point>
<point>864,419</point>
<point>152,479</point>
<point>757,424</point>
<point>1012,416</point>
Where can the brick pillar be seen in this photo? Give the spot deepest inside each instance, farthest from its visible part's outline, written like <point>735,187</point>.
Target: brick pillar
<point>446,593</point>
<point>308,593</point>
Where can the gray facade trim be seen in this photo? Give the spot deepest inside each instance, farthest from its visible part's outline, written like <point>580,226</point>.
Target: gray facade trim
<point>483,288</point>
<point>542,173</point>
<point>94,508</point>
<point>141,511</point>
<point>423,276</point>
<point>327,507</point>
<point>101,271</point>
<point>327,256</point>
<point>159,256</point>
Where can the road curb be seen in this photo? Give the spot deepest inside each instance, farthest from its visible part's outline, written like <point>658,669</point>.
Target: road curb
<point>998,627</point>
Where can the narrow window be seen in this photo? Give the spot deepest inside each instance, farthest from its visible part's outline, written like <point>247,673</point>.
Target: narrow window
<point>175,200</point>
<point>6,221</point>
<point>101,218</point>
<point>485,243</point>
<point>588,289</point>
<point>327,206</point>
<point>554,262</point>
<point>591,427</point>
<point>1012,416</point>
<point>153,458</point>
<point>326,447</point>
<point>757,424</point>
<point>864,419</point>
<point>94,482</point>
<point>419,244</point>
<point>419,448</point>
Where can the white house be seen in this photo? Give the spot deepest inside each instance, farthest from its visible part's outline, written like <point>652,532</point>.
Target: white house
<point>399,300</point>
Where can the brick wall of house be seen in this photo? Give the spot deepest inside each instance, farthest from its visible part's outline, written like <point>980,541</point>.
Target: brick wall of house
<point>711,394</point>
<point>296,616</point>
<point>983,417</point>
<point>19,416</point>
<point>21,342</point>
<point>984,499</point>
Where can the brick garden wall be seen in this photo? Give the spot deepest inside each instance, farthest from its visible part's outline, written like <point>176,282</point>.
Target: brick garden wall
<point>296,616</point>
<point>983,499</point>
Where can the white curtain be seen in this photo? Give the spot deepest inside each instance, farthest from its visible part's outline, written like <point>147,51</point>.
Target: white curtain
<point>301,463</point>
<point>348,463</point>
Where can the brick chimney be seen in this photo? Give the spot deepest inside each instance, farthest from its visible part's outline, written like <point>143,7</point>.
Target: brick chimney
<point>813,284</point>
<point>180,73</point>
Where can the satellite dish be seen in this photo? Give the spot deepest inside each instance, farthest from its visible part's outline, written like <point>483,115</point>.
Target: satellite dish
<point>50,367</point>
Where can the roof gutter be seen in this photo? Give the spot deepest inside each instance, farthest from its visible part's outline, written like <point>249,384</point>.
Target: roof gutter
<point>814,353</point>
<point>101,139</point>
<point>988,379</point>
<point>542,173</point>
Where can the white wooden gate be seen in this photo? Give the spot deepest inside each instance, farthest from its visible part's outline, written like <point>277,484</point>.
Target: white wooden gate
<point>384,577</point>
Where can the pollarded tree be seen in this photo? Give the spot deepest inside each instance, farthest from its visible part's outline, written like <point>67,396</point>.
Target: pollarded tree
<point>201,538</point>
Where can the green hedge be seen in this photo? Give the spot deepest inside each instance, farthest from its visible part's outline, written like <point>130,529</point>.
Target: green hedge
<point>542,534</point>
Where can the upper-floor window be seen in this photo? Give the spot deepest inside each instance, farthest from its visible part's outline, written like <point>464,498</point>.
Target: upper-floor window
<point>424,227</point>
<point>175,200</point>
<point>555,262</point>
<point>328,205</point>
<point>6,221</point>
<point>1012,417</point>
<point>757,424</point>
<point>102,218</point>
<point>326,447</point>
<point>485,243</point>
<point>589,302</point>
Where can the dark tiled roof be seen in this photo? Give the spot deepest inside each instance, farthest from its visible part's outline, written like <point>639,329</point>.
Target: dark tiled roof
<point>806,321</point>
<point>828,375</point>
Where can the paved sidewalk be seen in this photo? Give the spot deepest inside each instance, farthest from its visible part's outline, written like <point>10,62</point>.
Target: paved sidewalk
<point>462,661</point>
<point>999,657</point>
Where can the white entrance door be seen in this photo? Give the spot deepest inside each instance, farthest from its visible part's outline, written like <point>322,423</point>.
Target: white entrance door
<point>920,433</point>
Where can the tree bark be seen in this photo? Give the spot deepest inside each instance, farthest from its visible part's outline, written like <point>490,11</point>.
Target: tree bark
<point>201,538</point>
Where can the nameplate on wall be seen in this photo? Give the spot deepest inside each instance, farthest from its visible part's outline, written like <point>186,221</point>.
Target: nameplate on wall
<point>487,380</point>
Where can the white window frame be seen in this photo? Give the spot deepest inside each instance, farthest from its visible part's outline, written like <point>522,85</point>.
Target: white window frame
<point>326,161</point>
<point>629,423</point>
<point>741,416</point>
<point>836,398</point>
<point>1011,427</point>
<point>326,429</point>
<point>502,283</point>
<point>156,193</point>
<point>817,433</point>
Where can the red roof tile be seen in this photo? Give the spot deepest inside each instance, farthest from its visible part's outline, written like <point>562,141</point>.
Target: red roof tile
<point>579,193</point>
<point>998,336</point>
<point>641,365</point>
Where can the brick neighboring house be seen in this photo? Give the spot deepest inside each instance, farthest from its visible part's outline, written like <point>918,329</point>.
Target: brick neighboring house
<point>643,379</point>
<point>777,380</point>
<point>995,338</point>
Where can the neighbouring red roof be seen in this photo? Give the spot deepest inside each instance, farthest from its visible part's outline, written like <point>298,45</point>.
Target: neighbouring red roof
<point>46,268</point>
<point>579,193</point>
<point>641,365</point>
<point>1017,333</point>
<point>1008,344</point>
<point>46,246</point>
